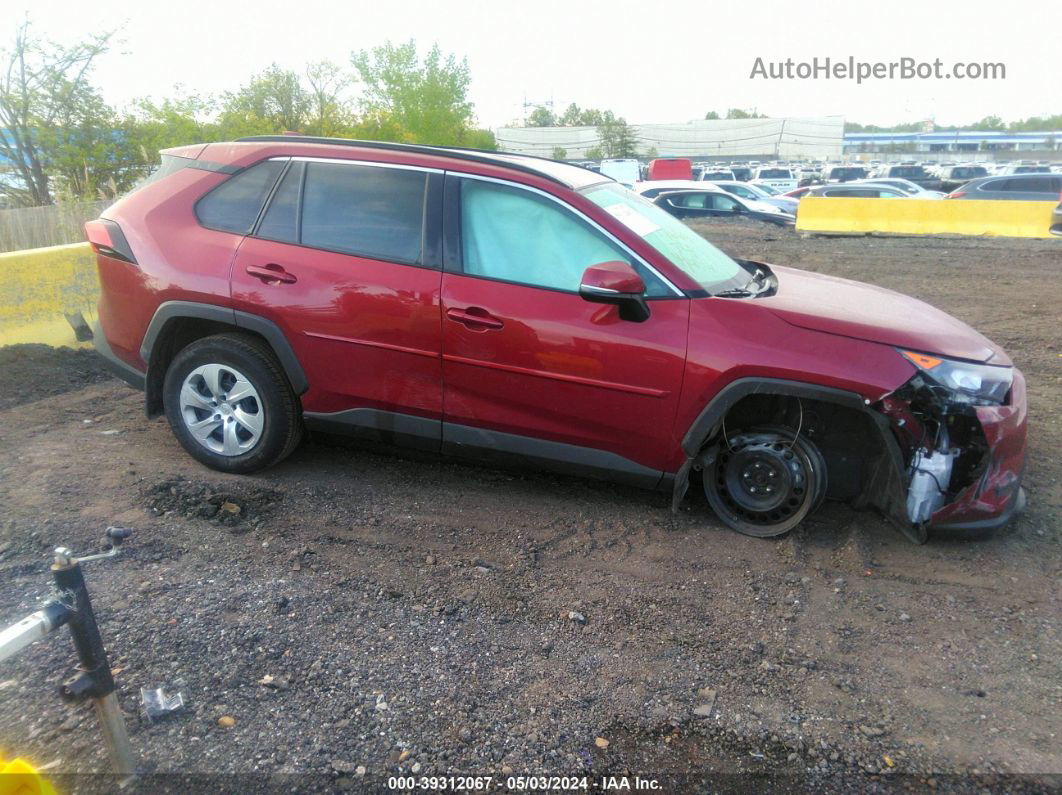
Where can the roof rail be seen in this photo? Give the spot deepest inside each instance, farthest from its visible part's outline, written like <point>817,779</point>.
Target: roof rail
<point>473,155</point>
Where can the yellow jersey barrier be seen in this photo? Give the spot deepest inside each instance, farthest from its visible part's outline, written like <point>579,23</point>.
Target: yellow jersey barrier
<point>18,777</point>
<point>42,285</point>
<point>925,217</point>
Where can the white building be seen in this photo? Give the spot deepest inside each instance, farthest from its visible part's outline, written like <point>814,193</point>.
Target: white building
<point>714,139</point>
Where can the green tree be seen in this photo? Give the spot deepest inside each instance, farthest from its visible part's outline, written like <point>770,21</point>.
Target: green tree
<point>739,113</point>
<point>618,138</point>
<point>329,111</point>
<point>427,99</point>
<point>541,116</point>
<point>989,123</point>
<point>652,152</point>
<point>712,115</point>
<point>51,117</point>
<point>273,102</point>
<point>560,153</point>
<point>572,117</point>
<point>594,153</point>
<point>480,139</point>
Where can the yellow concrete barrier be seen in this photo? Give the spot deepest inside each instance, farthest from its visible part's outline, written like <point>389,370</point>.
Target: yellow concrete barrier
<point>926,216</point>
<point>41,285</point>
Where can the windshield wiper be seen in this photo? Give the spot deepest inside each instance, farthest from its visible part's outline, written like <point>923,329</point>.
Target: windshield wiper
<point>737,292</point>
<point>759,279</point>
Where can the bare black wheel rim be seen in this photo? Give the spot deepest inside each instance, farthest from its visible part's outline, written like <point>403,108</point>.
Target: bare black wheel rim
<point>763,479</point>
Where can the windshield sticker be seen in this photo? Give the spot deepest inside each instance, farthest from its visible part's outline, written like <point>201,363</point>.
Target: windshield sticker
<point>632,219</point>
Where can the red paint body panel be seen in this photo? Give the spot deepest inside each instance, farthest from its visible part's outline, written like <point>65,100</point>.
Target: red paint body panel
<point>864,311</point>
<point>564,369</point>
<point>177,259</point>
<point>732,339</point>
<point>366,331</point>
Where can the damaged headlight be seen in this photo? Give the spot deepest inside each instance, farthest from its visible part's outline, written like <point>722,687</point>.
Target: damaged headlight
<point>975,384</point>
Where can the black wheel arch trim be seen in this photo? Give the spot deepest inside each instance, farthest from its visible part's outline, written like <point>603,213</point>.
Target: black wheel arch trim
<point>712,414</point>
<point>886,492</point>
<point>270,331</point>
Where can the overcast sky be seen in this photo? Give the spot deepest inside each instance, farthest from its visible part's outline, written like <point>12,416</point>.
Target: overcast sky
<point>657,61</point>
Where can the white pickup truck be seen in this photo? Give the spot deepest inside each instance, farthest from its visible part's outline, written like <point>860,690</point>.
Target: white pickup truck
<point>783,179</point>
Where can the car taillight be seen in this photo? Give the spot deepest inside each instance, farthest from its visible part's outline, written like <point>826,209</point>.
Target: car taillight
<point>106,238</point>
<point>957,194</point>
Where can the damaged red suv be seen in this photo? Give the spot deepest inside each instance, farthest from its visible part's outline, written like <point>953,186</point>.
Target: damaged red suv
<point>509,307</point>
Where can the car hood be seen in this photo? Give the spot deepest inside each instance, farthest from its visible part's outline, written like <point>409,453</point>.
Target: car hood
<point>863,311</point>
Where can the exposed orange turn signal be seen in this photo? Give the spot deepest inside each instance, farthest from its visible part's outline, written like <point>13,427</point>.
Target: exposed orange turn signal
<point>923,360</point>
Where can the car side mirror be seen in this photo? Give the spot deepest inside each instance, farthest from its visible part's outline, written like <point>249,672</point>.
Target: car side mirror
<point>738,208</point>
<point>619,284</point>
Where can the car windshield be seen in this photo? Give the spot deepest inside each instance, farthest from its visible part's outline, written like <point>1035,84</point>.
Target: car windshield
<point>907,172</point>
<point>848,173</point>
<point>775,173</point>
<point>687,250</point>
<point>968,172</point>
<point>765,190</point>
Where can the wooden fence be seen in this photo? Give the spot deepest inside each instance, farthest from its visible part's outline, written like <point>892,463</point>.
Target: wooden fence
<point>52,225</point>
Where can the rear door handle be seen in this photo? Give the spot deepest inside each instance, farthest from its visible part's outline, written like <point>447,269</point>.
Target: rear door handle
<point>474,318</point>
<point>271,273</point>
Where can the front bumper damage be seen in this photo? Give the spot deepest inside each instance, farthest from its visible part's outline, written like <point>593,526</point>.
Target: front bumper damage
<point>961,465</point>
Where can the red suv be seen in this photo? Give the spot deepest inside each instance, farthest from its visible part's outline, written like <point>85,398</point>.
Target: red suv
<point>512,307</point>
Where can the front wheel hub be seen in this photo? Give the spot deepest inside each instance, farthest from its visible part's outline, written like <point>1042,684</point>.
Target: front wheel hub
<point>763,483</point>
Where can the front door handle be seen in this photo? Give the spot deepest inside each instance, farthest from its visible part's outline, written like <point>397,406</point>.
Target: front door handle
<point>271,273</point>
<point>475,318</point>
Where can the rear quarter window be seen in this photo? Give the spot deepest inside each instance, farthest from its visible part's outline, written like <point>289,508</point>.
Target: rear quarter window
<point>370,211</point>
<point>234,205</point>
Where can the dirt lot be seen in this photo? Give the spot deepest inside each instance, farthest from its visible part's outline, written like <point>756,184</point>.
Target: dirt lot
<point>360,612</point>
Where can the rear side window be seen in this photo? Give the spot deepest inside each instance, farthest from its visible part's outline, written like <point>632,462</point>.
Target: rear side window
<point>281,221</point>
<point>234,205</point>
<point>1031,185</point>
<point>371,211</point>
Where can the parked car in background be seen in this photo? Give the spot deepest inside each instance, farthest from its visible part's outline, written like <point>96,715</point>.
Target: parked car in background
<point>626,171</point>
<point>857,190</point>
<point>670,168</point>
<point>741,173</point>
<point>702,203</point>
<point>781,178</point>
<point>714,174</point>
<point>754,192</point>
<point>951,177</point>
<point>652,189</point>
<point>1024,168</point>
<point>1020,187</point>
<point>515,308</point>
<point>908,187</point>
<point>1056,220</point>
<point>909,171</point>
<point>843,173</point>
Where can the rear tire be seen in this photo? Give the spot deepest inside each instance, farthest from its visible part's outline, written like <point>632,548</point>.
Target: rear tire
<point>230,405</point>
<point>765,481</point>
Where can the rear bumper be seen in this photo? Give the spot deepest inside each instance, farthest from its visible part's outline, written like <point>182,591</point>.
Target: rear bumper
<point>126,372</point>
<point>997,496</point>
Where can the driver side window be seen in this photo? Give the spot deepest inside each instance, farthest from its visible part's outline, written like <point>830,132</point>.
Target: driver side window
<point>515,235</point>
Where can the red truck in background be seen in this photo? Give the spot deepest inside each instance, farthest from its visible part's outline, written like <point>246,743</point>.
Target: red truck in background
<point>670,168</point>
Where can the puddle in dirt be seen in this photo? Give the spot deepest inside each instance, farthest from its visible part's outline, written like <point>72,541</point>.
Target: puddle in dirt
<point>228,507</point>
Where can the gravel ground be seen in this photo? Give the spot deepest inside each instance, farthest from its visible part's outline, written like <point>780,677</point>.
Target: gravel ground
<point>360,612</point>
